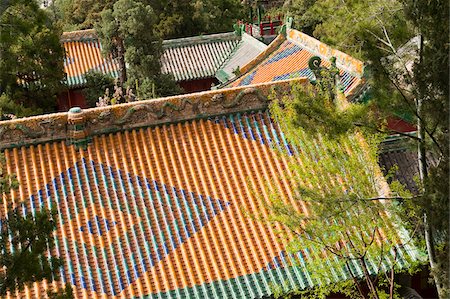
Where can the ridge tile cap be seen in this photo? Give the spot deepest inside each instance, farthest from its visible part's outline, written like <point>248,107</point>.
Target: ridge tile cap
<point>78,35</point>
<point>201,39</point>
<point>343,61</point>
<point>201,94</point>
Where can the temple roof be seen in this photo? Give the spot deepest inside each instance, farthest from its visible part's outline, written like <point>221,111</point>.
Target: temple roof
<point>188,58</point>
<point>287,57</point>
<point>155,202</point>
<point>203,56</point>
<point>83,54</point>
<point>248,48</point>
<point>197,57</point>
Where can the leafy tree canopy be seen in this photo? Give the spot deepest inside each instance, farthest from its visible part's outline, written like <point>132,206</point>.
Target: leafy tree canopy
<point>26,243</point>
<point>405,45</point>
<point>124,33</point>
<point>31,58</point>
<point>171,18</point>
<point>338,214</point>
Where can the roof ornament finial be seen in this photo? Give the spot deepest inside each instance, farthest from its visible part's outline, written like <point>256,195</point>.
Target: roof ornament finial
<point>328,79</point>
<point>286,26</point>
<point>76,127</point>
<point>239,28</point>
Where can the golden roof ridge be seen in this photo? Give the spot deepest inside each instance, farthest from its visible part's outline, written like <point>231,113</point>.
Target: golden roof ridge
<point>147,113</point>
<point>78,35</point>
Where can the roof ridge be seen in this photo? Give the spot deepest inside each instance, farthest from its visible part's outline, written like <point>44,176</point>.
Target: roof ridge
<point>127,116</point>
<point>275,44</point>
<point>186,41</point>
<point>236,47</point>
<point>78,35</point>
<point>246,39</point>
<point>343,61</point>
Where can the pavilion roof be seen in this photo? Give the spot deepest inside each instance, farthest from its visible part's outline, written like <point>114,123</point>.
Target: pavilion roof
<point>197,57</point>
<point>287,57</point>
<point>83,54</point>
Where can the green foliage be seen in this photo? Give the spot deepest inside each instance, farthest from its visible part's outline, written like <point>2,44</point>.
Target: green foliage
<point>96,84</point>
<point>66,293</point>
<point>10,109</point>
<point>124,33</point>
<point>7,181</point>
<point>350,25</point>
<point>402,76</point>
<point>314,111</point>
<point>31,56</point>
<point>342,219</point>
<point>77,15</point>
<point>25,240</point>
<point>217,15</point>
<point>172,18</point>
<point>26,244</point>
<point>304,18</point>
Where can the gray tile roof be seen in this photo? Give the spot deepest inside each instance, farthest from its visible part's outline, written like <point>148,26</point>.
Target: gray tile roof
<point>246,51</point>
<point>402,154</point>
<point>197,57</point>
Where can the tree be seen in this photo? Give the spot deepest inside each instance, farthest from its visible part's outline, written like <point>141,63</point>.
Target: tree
<point>341,217</point>
<point>218,15</point>
<point>78,15</point>
<point>25,240</point>
<point>26,243</point>
<point>31,56</point>
<point>96,85</point>
<point>404,80</point>
<point>172,18</point>
<point>124,33</point>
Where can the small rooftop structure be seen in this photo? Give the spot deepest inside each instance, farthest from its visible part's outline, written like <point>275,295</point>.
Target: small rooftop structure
<point>288,56</point>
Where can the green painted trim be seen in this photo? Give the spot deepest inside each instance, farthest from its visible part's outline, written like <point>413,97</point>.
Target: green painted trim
<point>222,76</point>
<point>255,285</point>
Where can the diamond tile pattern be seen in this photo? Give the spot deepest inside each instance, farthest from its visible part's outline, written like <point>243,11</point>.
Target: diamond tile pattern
<point>161,212</point>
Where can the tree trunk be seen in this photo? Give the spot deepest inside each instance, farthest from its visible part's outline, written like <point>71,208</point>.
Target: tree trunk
<point>121,58</point>
<point>355,280</point>
<point>370,284</point>
<point>423,173</point>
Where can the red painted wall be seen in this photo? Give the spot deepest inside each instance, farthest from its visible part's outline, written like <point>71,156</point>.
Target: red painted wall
<point>71,98</point>
<point>76,98</point>
<point>198,85</point>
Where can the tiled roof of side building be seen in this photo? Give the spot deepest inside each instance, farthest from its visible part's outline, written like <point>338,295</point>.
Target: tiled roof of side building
<point>288,58</point>
<point>247,49</point>
<point>83,54</point>
<point>155,206</point>
<point>399,152</point>
<point>197,57</point>
<point>185,58</point>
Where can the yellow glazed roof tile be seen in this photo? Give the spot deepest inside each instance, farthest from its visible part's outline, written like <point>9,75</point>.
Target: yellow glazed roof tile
<point>289,59</point>
<point>160,210</point>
